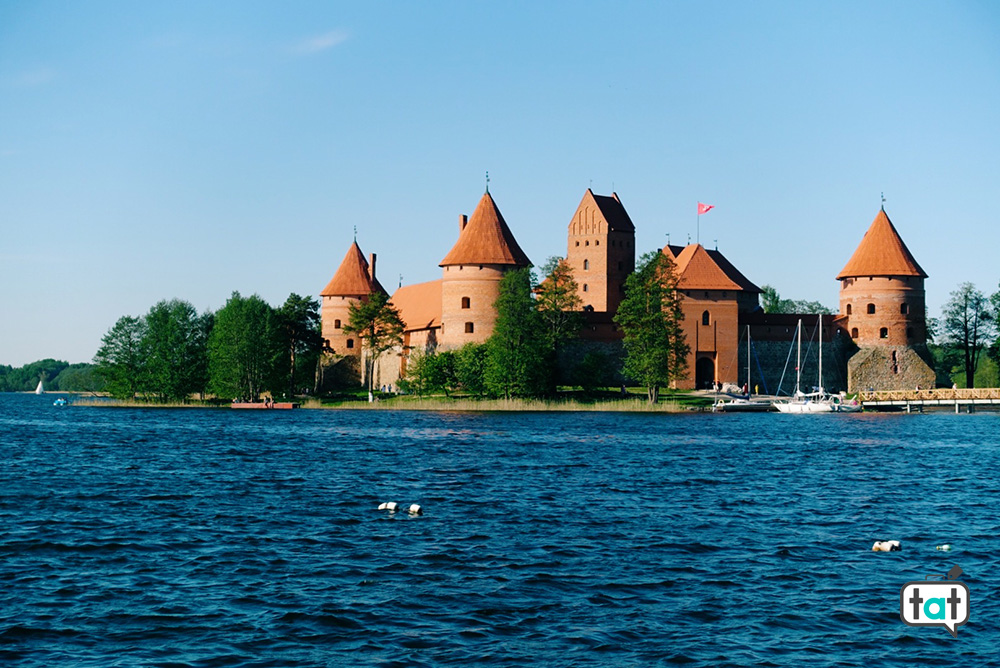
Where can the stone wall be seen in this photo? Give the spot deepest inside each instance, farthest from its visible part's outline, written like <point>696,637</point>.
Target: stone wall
<point>773,358</point>
<point>897,368</point>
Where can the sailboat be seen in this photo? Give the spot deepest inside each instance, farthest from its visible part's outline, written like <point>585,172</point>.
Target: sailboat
<point>743,404</point>
<point>40,389</point>
<point>813,402</point>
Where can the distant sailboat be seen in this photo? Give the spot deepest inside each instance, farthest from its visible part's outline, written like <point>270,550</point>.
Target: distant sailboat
<point>40,389</point>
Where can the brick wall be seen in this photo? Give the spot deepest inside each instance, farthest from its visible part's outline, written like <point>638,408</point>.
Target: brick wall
<point>480,285</point>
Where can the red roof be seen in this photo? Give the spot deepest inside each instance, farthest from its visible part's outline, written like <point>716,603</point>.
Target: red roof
<point>702,269</point>
<point>419,305</point>
<point>486,239</point>
<point>352,278</point>
<point>881,253</point>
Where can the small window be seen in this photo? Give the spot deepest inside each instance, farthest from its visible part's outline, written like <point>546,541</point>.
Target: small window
<point>871,309</point>
<point>350,343</point>
<point>586,265</point>
<point>577,243</point>
<point>336,324</point>
<point>854,332</point>
<point>620,266</point>
<point>469,328</point>
<point>705,318</point>
<point>466,302</point>
<point>904,308</point>
<point>909,332</point>
<point>597,243</point>
<point>883,333</point>
<point>586,243</point>
<point>848,309</point>
<point>584,287</point>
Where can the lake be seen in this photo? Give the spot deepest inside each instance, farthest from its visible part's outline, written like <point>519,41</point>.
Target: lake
<point>212,537</point>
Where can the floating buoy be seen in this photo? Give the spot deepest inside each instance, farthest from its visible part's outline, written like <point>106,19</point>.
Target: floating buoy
<point>391,506</point>
<point>943,548</point>
<point>415,509</point>
<point>886,546</point>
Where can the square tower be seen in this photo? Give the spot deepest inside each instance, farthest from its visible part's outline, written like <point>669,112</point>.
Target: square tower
<point>601,251</point>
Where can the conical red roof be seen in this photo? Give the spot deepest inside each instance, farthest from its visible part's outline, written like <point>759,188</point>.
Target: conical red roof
<point>881,253</point>
<point>352,278</point>
<point>486,239</point>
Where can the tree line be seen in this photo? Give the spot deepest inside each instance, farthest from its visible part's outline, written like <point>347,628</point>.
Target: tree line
<point>965,336</point>
<point>57,375</point>
<point>242,351</point>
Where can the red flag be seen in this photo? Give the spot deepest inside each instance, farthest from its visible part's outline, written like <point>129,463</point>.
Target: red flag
<point>704,208</point>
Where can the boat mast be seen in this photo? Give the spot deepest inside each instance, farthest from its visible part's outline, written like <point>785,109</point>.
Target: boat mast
<point>798,358</point>
<point>821,352</point>
<point>748,360</point>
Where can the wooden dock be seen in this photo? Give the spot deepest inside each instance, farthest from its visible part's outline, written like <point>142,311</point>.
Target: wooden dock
<point>277,405</point>
<point>959,400</point>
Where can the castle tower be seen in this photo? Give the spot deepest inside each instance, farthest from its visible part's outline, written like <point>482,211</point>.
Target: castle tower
<point>882,308</point>
<point>472,270</point>
<point>353,282</point>
<point>601,250</point>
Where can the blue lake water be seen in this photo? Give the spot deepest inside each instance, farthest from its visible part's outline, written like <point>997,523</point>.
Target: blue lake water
<point>249,538</point>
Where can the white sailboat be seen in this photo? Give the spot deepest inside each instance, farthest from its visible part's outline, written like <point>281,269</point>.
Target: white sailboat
<point>40,389</point>
<point>813,402</point>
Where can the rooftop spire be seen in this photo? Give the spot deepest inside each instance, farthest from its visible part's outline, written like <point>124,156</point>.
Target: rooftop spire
<point>881,253</point>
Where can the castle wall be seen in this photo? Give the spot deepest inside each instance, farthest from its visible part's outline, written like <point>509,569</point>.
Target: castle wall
<point>480,286</point>
<point>712,345</point>
<point>890,368</point>
<point>334,314</point>
<point>899,317</point>
<point>601,260</point>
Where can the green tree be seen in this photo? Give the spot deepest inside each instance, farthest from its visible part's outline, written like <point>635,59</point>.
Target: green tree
<point>517,364</point>
<point>379,326</point>
<point>968,326</point>
<point>772,302</point>
<point>78,378</point>
<point>121,359</point>
<point>300,325</point>
<point>558,303</point>
<point>650,318</point>
<point>470,368</point>
<point>176,344</point>
<point>243,348</point>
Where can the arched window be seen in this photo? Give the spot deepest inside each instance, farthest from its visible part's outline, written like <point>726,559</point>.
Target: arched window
<point>586,243</point>
<point>854,332</point>
<point>904,308</point>
<point>577,243</point>
<point>883,333</point>
<point>597,243</point>
<point>848,309</point>
<point>466,302</point>
<point>871,309</point>
<point>350,343</point>
<point>336,324</point>
<point>469,328</point>
<point>584,287</point>
<point>704,318</point>
<point>586,265</point>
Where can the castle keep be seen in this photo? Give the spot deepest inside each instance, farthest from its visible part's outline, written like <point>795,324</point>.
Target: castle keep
<point>877,340</point>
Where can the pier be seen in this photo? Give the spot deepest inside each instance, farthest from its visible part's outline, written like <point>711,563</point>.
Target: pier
<point>960,400</point>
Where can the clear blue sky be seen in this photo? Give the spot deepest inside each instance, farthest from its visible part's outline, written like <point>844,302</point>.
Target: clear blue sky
<point>190,149</point>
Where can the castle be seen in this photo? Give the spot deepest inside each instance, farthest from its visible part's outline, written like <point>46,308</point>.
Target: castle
<point>877,340</point>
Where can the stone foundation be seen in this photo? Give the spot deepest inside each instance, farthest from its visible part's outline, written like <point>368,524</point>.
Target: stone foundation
<point>890,368</point>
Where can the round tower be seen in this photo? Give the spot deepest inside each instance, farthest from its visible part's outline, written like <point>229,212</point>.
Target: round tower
<point>882,290</point>
<point>485,251</point>
<point>353,283</point>
<point>882,309</point>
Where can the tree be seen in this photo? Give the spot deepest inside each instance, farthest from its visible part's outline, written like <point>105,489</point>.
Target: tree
<point>379,326</point>
<point>470,368</point>
<point>176,344</point>
<point>243,347</point>
<point>300,325</point>
<point>968,325</point>
<point>772,302</point>
<point>558,303</point>
<point>121,359</point>
<point>516,360</point>
<point>650,318</point>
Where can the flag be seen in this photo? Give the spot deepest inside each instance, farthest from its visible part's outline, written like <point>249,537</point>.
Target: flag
<point>704,208</point>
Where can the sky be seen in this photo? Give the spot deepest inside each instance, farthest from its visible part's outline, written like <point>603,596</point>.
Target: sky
<point>152,151</point>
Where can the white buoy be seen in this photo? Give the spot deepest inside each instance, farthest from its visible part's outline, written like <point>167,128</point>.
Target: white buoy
<point>391,506</point>
<point>415,509</point>
<point>886,546</point>
<point>943,548</point>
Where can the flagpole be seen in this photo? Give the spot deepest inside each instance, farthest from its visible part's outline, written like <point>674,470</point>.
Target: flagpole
<point>697,217</point>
